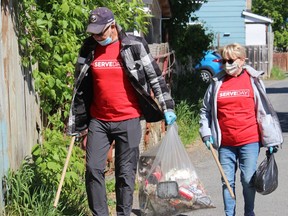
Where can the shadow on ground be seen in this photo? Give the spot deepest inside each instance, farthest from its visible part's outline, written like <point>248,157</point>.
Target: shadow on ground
<point>283,118</point>
<point>136,212</point>
<point>277,90</point>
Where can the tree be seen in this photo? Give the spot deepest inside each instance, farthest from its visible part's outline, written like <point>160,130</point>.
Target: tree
<point>278,11</point>
<point>187,40</point>
<point>51,33</point>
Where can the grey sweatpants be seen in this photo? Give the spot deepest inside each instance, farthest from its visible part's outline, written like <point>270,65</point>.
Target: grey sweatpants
<point>101,134</point>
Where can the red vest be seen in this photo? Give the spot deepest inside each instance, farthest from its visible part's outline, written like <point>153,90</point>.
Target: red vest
<point>114,97</point>
<point>236,111</point>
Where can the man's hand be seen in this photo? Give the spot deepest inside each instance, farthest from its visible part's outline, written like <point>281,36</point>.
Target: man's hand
<point>170,117</point>
<point>84,142</point>
<point>207,141</point>
<point>81,137</point>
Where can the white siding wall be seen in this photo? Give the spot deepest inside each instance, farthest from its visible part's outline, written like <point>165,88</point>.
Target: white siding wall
<point>255,34</point>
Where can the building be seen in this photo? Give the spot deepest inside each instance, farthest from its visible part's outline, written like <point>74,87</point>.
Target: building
<point>233,21</point>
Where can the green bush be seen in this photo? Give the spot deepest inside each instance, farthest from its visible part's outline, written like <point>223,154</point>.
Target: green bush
<point>31,190</point>
<point>50,35</point>
<point>49,160</point>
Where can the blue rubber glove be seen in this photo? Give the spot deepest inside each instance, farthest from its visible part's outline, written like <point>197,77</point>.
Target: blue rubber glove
<point>207,140</point>
<point>170,117</point>
<point>272,149</point>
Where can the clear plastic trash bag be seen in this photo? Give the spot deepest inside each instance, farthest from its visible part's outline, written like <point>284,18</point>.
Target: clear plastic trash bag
<point>168,182</point>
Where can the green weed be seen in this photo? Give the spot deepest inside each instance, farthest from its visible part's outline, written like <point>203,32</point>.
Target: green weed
<point>188,92</point>
<point>32,188</point>
<point>277,73</point>
<point>23,198</point>
<point>187,121</point>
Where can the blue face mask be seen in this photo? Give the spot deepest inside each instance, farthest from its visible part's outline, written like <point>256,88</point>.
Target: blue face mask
<point>105,42</point>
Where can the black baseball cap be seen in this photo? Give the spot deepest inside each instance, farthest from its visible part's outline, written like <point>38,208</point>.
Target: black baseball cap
<point>99,19</point>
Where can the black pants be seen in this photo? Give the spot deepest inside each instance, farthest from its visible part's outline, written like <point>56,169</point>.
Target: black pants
<point>127,135</point>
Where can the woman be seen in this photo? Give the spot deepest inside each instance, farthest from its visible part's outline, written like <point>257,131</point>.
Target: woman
<point>237,119</point>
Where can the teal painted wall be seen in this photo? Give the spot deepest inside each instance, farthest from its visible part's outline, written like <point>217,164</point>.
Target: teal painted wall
<point>223,16</point>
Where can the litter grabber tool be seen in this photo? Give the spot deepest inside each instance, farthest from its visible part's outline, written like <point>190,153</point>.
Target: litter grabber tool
<point>64,171</point>
<point>221,171</point>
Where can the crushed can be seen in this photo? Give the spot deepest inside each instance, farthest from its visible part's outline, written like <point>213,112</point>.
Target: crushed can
<point>185,193</point>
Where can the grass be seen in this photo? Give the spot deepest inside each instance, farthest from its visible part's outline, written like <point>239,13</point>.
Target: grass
<point>187,121</point>
<point>25,197</point>
<point>22,199</point>
<point>277,73</point>
<point>188,92</point>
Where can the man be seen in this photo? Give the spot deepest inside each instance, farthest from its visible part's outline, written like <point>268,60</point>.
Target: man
<point>114,75</point>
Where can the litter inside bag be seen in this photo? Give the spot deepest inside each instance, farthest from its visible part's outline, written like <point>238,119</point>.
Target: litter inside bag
<point>168,182</point>
<point>265,178</point>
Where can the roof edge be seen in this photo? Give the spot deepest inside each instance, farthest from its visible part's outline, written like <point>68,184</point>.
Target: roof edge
<point>258,17</point>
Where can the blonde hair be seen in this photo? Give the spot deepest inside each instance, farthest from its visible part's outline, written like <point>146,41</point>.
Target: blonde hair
<point>233,51</point>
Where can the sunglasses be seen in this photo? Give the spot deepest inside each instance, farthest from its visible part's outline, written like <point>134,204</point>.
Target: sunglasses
<point>103,32</point>
<point>230,61</point>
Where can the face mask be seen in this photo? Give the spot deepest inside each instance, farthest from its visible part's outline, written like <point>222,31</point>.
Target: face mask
<point>105,42</point>
<point>231,69</point>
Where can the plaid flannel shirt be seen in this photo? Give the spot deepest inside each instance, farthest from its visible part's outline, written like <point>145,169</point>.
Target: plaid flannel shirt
<point>142,71</point>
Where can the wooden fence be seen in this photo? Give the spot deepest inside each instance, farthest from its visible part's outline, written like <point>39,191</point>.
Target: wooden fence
<point>19,110</point>
<point>260,58</point>
<point>281,60</point>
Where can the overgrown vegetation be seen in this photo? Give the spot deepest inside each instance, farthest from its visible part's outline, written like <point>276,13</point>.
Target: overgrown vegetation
<point>188,91</point>
<point>31,189</point>
<point>187,40</point>
<point>277,73</point>
<point>49,161</point>
<point>187,120</point>
<point>50,35</point>
<point>24,198</point>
